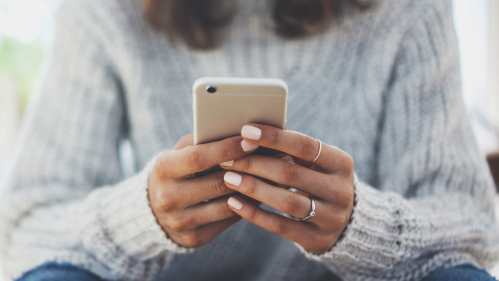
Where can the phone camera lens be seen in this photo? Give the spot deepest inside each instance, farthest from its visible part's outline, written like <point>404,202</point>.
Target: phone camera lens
<point>211,89</point>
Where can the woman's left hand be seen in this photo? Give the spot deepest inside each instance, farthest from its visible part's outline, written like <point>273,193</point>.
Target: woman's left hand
<point>329,181</point>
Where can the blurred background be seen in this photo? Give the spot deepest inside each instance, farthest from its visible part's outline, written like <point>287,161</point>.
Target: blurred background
<point>27,28</point>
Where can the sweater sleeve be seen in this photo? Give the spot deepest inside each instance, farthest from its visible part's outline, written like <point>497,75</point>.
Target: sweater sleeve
<point>431,204</point>
<point>64,199</point>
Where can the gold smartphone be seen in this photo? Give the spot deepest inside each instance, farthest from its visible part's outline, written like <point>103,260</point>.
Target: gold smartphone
<point>223,105</point>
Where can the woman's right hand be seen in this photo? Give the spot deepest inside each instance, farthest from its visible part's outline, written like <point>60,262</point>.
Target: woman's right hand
<point>177,199</point>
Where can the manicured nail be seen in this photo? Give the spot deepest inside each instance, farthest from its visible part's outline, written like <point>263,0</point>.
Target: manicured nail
<point>234,203</point>
<point>248,146</point>
<point>227,163</point>
<point>251,132</point>
<point>288,158</point>
<point>233,178</point>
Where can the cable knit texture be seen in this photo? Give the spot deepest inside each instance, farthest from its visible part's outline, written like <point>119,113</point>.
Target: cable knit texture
<point>383,85</point>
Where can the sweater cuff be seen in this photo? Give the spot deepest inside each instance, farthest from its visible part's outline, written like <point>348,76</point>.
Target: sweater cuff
<point>372,235</point>
<point>129,222</point>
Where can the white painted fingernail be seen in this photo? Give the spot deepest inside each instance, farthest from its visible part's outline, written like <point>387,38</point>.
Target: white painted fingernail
<point>288,158</point>
<point>234,203</point>
<point>251,132</point>
<point>233,178</point>
<point>227,163</point>
<point>248,146</point>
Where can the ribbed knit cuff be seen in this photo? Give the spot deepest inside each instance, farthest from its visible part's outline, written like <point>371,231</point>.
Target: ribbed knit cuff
<point>371,237</point>
<point>125,218</point>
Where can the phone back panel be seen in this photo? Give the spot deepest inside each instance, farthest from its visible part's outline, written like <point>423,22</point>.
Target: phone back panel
<point>236,102</point>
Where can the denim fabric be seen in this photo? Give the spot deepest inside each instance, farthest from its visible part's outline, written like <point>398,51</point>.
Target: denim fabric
<point>465,272</point>
<point>63,272</point>
<point>58,272</point>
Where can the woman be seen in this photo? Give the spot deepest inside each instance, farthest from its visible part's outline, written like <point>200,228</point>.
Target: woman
<point>378,84</point>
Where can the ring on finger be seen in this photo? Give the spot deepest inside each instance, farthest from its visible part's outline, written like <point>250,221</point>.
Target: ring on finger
<point>318,154</point>
<point>312,211</point>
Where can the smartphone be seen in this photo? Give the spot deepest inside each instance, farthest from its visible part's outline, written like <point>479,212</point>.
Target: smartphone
<point>223,105</point>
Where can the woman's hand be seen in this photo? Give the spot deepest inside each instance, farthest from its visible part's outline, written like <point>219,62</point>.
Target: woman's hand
<point>177,199</point>
<point>330,182</point>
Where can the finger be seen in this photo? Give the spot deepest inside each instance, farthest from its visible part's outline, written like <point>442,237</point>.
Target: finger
<point>185,193</point>
<point>292,189</point>
<point>277,224</point>
<point>184,141</point>
<point>278,198</point>
<point>201,214</point>
<point>331,158</point>
<point>197,158</point>
<point>204,234</point>
<point>248,199</point>
<point>285,173</point>
<point>190,192</point>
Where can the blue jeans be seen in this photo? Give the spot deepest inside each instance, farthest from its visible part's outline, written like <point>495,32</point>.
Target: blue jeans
<point>63,272</point>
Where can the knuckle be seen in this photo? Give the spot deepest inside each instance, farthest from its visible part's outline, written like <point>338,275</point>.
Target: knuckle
<point>279,227</point>
<point>180,224</point>
<point>251,217</point>
<point>246,163</point>
<point>348,164</point>
<point>348,198</point>
<point>194,161</point>
<point>162,203</point>
<point>226,151</point>
<point>290,173</point>
<point>184,141</point>
<point>192,239</point>
<point>290,204</point>
<point>184,138</point>
<point>218,186</point>
<point>337,220</point>
<point>161,165</point>
<point>322,248</point>
<point>321,241</point>
<point>308,145</point>
<point>176,224</point>
<point>227,211</point>
<point>168,202</point>
<point>250,187</point>
<point>274,137</point>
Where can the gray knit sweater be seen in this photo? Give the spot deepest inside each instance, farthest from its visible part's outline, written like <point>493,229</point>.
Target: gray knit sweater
<point>383,85</point>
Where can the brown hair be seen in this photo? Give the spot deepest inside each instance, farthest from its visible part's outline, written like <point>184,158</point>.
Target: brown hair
<point>200,22</point>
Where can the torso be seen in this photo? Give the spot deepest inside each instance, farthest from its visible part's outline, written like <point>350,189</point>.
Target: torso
<point>336,82</point>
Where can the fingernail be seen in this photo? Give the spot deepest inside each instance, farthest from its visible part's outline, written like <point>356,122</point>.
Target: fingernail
<point>227,163</point>
<point>248,146</point>
<point>251,132</point>
<point>233,178</point>
<point>234,203</point>
<point>288,158</point>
